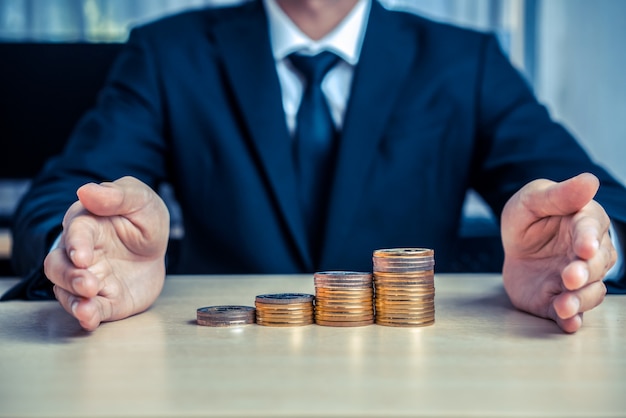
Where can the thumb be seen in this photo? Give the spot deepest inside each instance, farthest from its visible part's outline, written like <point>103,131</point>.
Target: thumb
<point>132,200</point>
<point>564,198</point>
<point>121,197</point>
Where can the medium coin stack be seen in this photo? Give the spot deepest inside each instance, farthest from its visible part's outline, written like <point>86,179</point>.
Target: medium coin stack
<point>225,315</point>
<point>404,287</point>
<point>284,309</point>
<point>343,299</point>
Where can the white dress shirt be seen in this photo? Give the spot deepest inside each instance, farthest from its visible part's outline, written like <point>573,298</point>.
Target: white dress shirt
<point>345,41</point>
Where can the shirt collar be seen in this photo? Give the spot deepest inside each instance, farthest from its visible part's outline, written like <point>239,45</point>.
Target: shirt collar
<point>345,40</point>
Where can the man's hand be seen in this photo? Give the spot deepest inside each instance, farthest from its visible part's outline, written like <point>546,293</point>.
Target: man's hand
<point>557,249</point>
<point>110,261</point>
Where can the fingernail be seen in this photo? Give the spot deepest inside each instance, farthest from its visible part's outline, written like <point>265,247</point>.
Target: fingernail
<point>74,306</point>
<point>586,275</point>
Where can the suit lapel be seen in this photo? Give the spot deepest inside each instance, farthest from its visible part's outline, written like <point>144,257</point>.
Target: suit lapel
<point>252,74</point>
<point>387,52</point>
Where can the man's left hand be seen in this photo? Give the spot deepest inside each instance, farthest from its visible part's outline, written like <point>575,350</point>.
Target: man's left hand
<point>557,249</point>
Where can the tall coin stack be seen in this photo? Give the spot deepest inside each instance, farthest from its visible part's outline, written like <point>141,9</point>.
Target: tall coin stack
<point>284,309</point>
<point>343,298</point>
<point>404,287</point>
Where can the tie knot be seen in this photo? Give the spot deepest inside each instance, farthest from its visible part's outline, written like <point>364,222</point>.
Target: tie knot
<point>314,67</point>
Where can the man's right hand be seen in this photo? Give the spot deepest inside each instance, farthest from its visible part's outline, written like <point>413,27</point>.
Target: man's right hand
<point>110,261</point>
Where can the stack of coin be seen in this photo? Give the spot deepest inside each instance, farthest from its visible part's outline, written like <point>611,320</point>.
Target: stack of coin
<point>226,315</point>
<point>404,287</point>
<point>343,298</point>
<point>284,309</point>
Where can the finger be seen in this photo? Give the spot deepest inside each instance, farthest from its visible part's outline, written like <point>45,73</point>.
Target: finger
<point>79,235</point>
<point>571,303</point>
<point>610,254</point>
<point>88,311</point>
<point>587,234</point>
<point>62,272</point>
<point>570,325</point>
<point>581,272</point>
<point>575,275</point>
<point>564,198</point>
<point>79,238</point>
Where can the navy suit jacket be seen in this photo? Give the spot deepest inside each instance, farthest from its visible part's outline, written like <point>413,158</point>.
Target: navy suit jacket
<point>195,100</point>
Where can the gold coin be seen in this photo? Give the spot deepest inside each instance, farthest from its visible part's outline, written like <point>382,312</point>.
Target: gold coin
<point>285,308</point>
<point>404,252</point>
<point>341,312</point>
<point>281,316</point>
<point>403,266</point>
<point>344,323</point>
<point>327,281</point>
<point>400,293</point>
<point>345,317</point>
<point>404,283</point>
<point>286,322</point>
<point>285,312</point>
<point>405,324</point>
<point>336,303</point>
<point>330,295</point>
<point>404,287</point>
<point>344,292</point>
<point>285,298</point>
<point>277,324</point>
<point>291,306</point>
<point>405,316</point>
<point>346,313</point>
<point>415,294</point>
<point>347,308</point>
<point>405,308</point>
<point>344,286</point>
<point>392,275</point>
<point>404,302</point>
<point>403,260</point>
<point>343,275</point>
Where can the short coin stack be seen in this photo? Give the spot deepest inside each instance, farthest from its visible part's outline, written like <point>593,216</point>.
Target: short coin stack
<point>284,309</point>
<point>225,315</point>
<point>343,299</point>
<point>404,287</point>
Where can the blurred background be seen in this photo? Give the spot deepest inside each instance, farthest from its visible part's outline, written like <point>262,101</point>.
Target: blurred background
<point>570,51</point>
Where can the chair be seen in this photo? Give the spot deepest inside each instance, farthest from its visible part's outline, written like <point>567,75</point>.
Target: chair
<point>44,89</point>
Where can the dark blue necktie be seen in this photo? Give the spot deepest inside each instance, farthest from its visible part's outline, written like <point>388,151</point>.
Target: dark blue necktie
<point>314,141</point>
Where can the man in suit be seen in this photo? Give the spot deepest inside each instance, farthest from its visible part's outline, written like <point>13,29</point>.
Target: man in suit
<point>208,101</point>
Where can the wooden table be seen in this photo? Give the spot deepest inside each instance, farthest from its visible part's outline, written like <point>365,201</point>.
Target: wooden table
<point>481,358</point>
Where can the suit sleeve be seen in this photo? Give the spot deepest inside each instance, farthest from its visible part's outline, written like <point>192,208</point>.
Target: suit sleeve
<point>617,283</point>
<point>122,135</point>
<point>520,143</point>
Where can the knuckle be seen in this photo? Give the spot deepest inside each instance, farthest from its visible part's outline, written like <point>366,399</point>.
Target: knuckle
<point>603,289</point>
<point>51,266</point>
<point>74,210</point>
<point>47,265</point>
<point>613,255</point>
